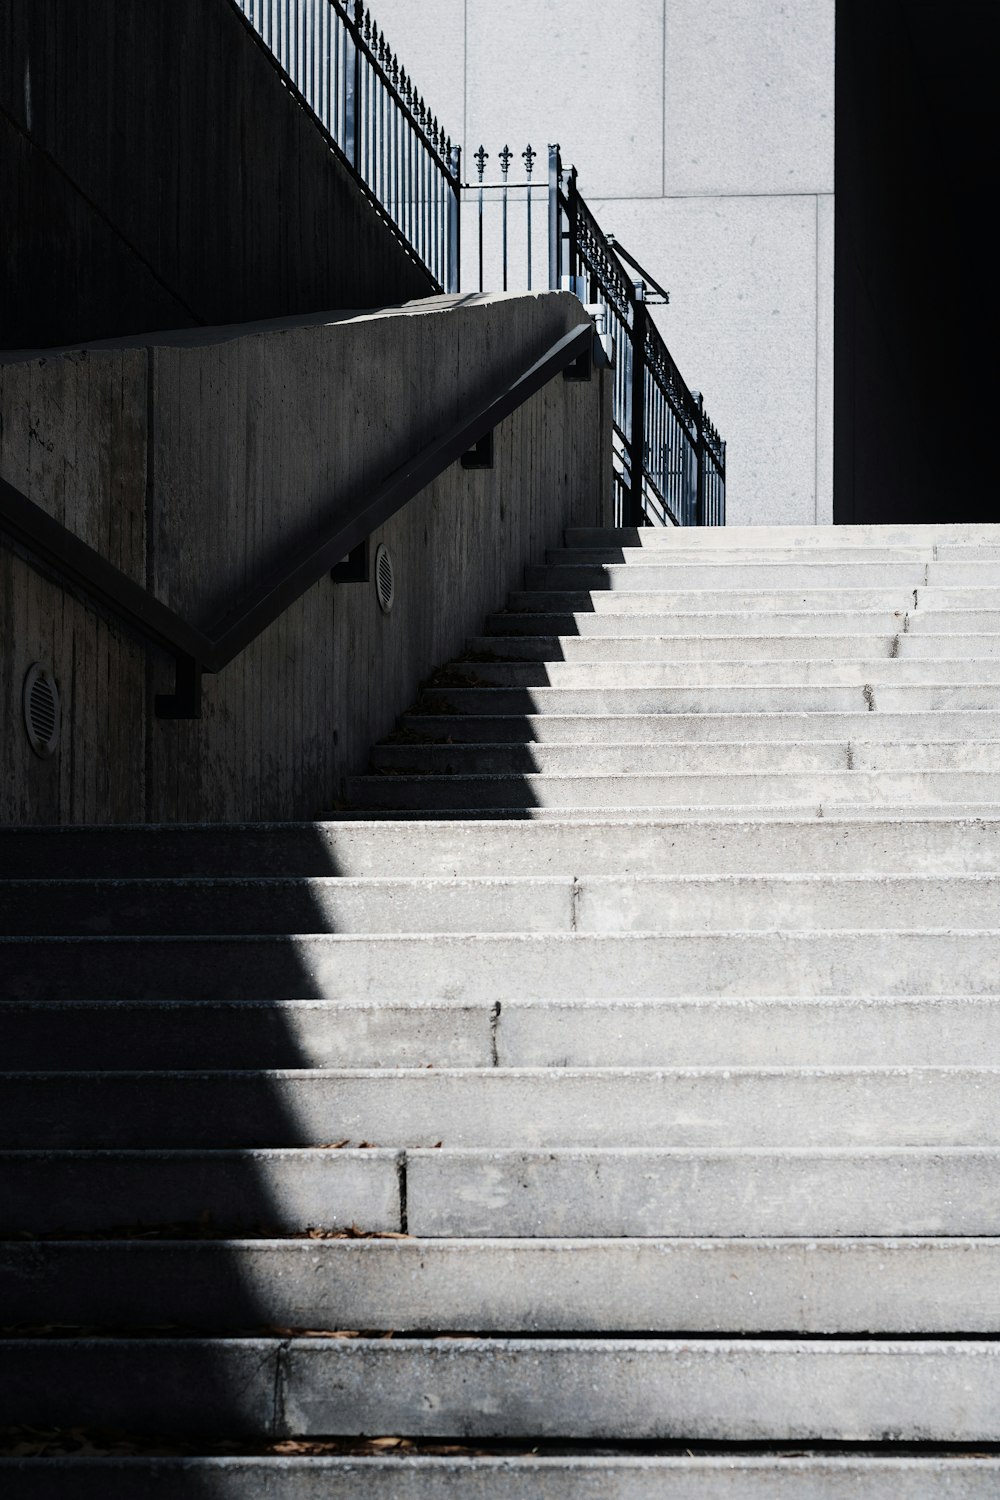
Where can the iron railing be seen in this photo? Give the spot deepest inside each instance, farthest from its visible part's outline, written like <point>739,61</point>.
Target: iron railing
<point>669,461</point>
<point>340,63</point>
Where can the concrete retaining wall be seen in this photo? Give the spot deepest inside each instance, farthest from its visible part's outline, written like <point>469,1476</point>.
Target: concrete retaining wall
<point>191,460</point>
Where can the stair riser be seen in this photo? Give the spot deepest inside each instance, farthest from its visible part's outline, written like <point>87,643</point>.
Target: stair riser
<point>257,1192</point>
<point>800,621</point>
<point>880,671</point>
<point>796,622</point>
<point>524,904</point>
<point>750,1390</point>
<point>315,1034</point>
<point>607,1193</point>
<point>495,967</point>
<point>651,570</point>
<point>256,907</point>
<point>495,726</point>
<point>602,845</point>
<point>675,1286</point>
<point>646,598</point>
<point>711,758</point>
<point>678,790</point>
<point>684,650</point>
<point>511,1477</point>
<point>504,1109</point>
<point>740,698</point>
<point>947,537</point>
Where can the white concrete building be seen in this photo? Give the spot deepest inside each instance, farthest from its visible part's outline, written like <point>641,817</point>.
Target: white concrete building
<point>704,134</point>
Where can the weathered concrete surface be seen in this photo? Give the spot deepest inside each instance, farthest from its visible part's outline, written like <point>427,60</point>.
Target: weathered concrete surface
<point>931,844</point>
<point>498,966</point>
<point>193,460</point>
<point>746,1390</point>
<point>488,1286</point>
<point>505,1108</point>
<point>750,1390</point>
<point>603,1476</point>
<point>689,1192</point>
<point>259,1191</point>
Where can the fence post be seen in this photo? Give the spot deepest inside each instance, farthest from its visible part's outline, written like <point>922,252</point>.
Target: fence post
<point>637,426</point>
<point>352,103</point>
<point>555,240</point>
<point>699,483</point>
<point>455,223</point>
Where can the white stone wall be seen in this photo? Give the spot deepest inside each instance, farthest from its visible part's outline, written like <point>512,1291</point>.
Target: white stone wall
<point>703,133</point>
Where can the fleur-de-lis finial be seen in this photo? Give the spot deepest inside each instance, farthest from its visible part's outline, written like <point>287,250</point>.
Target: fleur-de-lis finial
<point>481,157</point>
<point>528,157</point>
<point>505,158</point>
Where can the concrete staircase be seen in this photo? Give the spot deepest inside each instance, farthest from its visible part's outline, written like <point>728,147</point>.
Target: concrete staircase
<point>630,1052</point>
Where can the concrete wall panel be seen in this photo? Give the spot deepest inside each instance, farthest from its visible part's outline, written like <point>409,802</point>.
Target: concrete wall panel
<point>256,434</point>
<point>585,75</point>
<point>748,96</point>
<point>741,325</point>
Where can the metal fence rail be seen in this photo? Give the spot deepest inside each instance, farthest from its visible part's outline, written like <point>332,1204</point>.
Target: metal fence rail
<point>340,63</point>
<point>669,461</point>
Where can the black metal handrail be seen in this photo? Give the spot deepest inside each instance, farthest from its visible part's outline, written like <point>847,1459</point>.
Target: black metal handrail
<point>198,650</point>
<point>669,461</point>
<point>343,69</point>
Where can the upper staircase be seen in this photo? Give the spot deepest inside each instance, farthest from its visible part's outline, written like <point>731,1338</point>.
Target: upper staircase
<point>602,1104</point>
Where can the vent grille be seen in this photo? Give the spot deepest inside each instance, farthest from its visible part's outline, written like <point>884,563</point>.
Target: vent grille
<point>40,700</point>
<point>385,582</point>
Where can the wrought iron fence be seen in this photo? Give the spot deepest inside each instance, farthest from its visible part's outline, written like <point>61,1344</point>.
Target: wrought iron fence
<point>340,63</point>
<point>669,461</point>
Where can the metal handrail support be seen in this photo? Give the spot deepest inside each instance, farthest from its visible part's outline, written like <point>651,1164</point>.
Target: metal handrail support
<point>636,515</point>
<point>196,650</point>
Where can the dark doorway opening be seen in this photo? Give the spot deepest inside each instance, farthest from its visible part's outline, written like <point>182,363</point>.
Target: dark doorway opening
<point>917,176</point>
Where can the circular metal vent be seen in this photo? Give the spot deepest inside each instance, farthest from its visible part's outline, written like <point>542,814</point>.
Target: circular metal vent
<point>385,582</point>
<point>40,700</point>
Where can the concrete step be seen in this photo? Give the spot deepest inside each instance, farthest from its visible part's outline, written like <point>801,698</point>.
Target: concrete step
<point>646,568</point>
<point>597,1193</point>
<point>742,698</point>
<point>552,966</point>
<point>711,812</point>
<point>659,572</point>
<point>745,1194</point>
<point>608,621</point>
<point>810,538</point>
<point>872,623</point>
<point>257,1192</point>
<point>503,1108</point>
<point>879,671</point>
<point>284,905</point>
<point>586,903</point>
<point>687,756</point>
<point>674,790</point>
<point>768,1031</point>
<point>641,597</point>
<point>482,1286</point>
<point>684,649</point>
<point>606,1475</point>
<point>494,726</point>
<point>683,555</point>
<point>693,1389</point>
<point>243,1034</point>
<point>935,844</point>
<point>696,1032</point>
